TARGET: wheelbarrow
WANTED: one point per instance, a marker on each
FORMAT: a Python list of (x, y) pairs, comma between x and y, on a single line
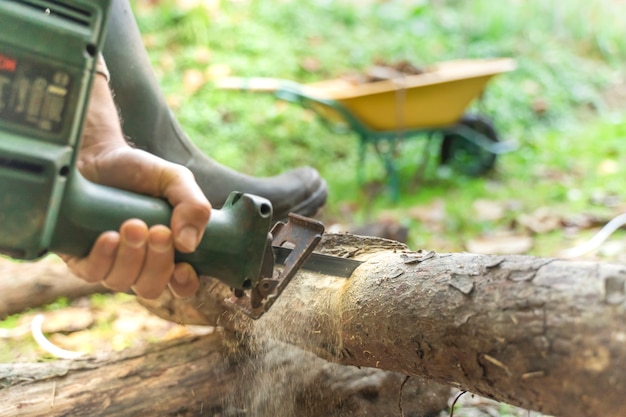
[(382, 113)]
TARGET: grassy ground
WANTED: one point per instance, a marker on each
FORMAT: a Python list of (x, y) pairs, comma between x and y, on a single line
[(553, 105)]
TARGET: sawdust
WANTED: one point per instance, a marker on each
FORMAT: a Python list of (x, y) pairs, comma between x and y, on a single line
[(286, 380)]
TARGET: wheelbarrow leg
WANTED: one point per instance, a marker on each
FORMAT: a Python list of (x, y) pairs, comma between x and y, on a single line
[(393, 177), (360, 176), (422, 165), (393, 180)]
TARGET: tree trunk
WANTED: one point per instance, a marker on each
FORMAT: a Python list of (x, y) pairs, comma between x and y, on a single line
[(542, 334), (211, 376), (36, 284)]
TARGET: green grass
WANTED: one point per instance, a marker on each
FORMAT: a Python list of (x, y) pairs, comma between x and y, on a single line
[(568, 54)]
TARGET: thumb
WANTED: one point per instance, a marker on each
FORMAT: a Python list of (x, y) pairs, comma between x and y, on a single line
[(191, 208)]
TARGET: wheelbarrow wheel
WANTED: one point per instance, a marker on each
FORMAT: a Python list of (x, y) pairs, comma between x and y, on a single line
[(464, 155)]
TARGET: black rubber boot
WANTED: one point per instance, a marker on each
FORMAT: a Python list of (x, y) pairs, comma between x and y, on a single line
[(150, 125)]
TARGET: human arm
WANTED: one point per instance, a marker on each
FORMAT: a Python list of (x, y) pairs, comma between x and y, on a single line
[(136, 256)]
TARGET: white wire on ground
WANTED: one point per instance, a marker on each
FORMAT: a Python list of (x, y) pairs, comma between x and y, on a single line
[(597, 240), (47, 345), (15, 333)]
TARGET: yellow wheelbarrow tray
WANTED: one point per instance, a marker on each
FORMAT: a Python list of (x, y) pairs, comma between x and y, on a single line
[(384, 111)]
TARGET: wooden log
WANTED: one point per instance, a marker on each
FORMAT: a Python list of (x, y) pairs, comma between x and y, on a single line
[(212, 375), (126, 384), (34, 284), (542, 334)]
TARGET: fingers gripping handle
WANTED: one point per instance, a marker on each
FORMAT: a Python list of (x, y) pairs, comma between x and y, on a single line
[(231, 250)]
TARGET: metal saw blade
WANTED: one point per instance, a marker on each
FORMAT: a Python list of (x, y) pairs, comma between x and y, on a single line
[(321, 263)]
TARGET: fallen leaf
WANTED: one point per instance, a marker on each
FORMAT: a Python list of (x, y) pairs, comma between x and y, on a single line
[(432, 215), (67, 320), (580, 221), (488, 210), (500, 245), (530, 87), (608, 167), (149, 40), (202, 55), (81, 341), (217, 71), (174, 101), (129, 324), (310, 64), (606, 199), (542, 220), (167, 62), (539, 106), (133, 323), (193, 80)]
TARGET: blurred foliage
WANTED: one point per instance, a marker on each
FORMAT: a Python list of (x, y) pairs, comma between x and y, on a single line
[(568, 55)]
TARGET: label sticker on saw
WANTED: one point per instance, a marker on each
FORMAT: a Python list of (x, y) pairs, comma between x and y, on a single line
[(7, 64), (33, 94)]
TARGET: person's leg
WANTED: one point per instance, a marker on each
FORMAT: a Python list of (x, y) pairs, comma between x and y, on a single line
[(150, 125)]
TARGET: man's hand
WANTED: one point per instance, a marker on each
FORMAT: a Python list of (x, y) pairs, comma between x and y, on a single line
[(136, 256)]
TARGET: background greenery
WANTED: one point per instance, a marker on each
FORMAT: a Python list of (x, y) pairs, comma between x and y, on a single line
[(563, 104)]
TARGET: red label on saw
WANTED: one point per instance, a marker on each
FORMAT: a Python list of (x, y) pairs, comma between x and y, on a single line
[(7, 64)]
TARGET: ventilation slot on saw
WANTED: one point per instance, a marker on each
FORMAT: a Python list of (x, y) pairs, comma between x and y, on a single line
[(60, 9), (21, 165)]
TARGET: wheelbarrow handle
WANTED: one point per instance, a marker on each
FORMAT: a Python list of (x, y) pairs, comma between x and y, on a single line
[(255, 84)]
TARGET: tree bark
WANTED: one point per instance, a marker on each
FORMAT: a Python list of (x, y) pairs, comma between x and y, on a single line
[(542, 334), (130, 383), (211, 376), (38, 283)]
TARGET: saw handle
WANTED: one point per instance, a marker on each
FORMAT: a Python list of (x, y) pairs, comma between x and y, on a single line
[(231, 250)]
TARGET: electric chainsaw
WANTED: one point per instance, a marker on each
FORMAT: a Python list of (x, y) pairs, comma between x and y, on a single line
[(48, 51)]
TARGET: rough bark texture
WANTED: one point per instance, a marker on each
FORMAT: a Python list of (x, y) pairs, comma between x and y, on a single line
[(211, 376), (38, 284), (128, 384), (543, 334)]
